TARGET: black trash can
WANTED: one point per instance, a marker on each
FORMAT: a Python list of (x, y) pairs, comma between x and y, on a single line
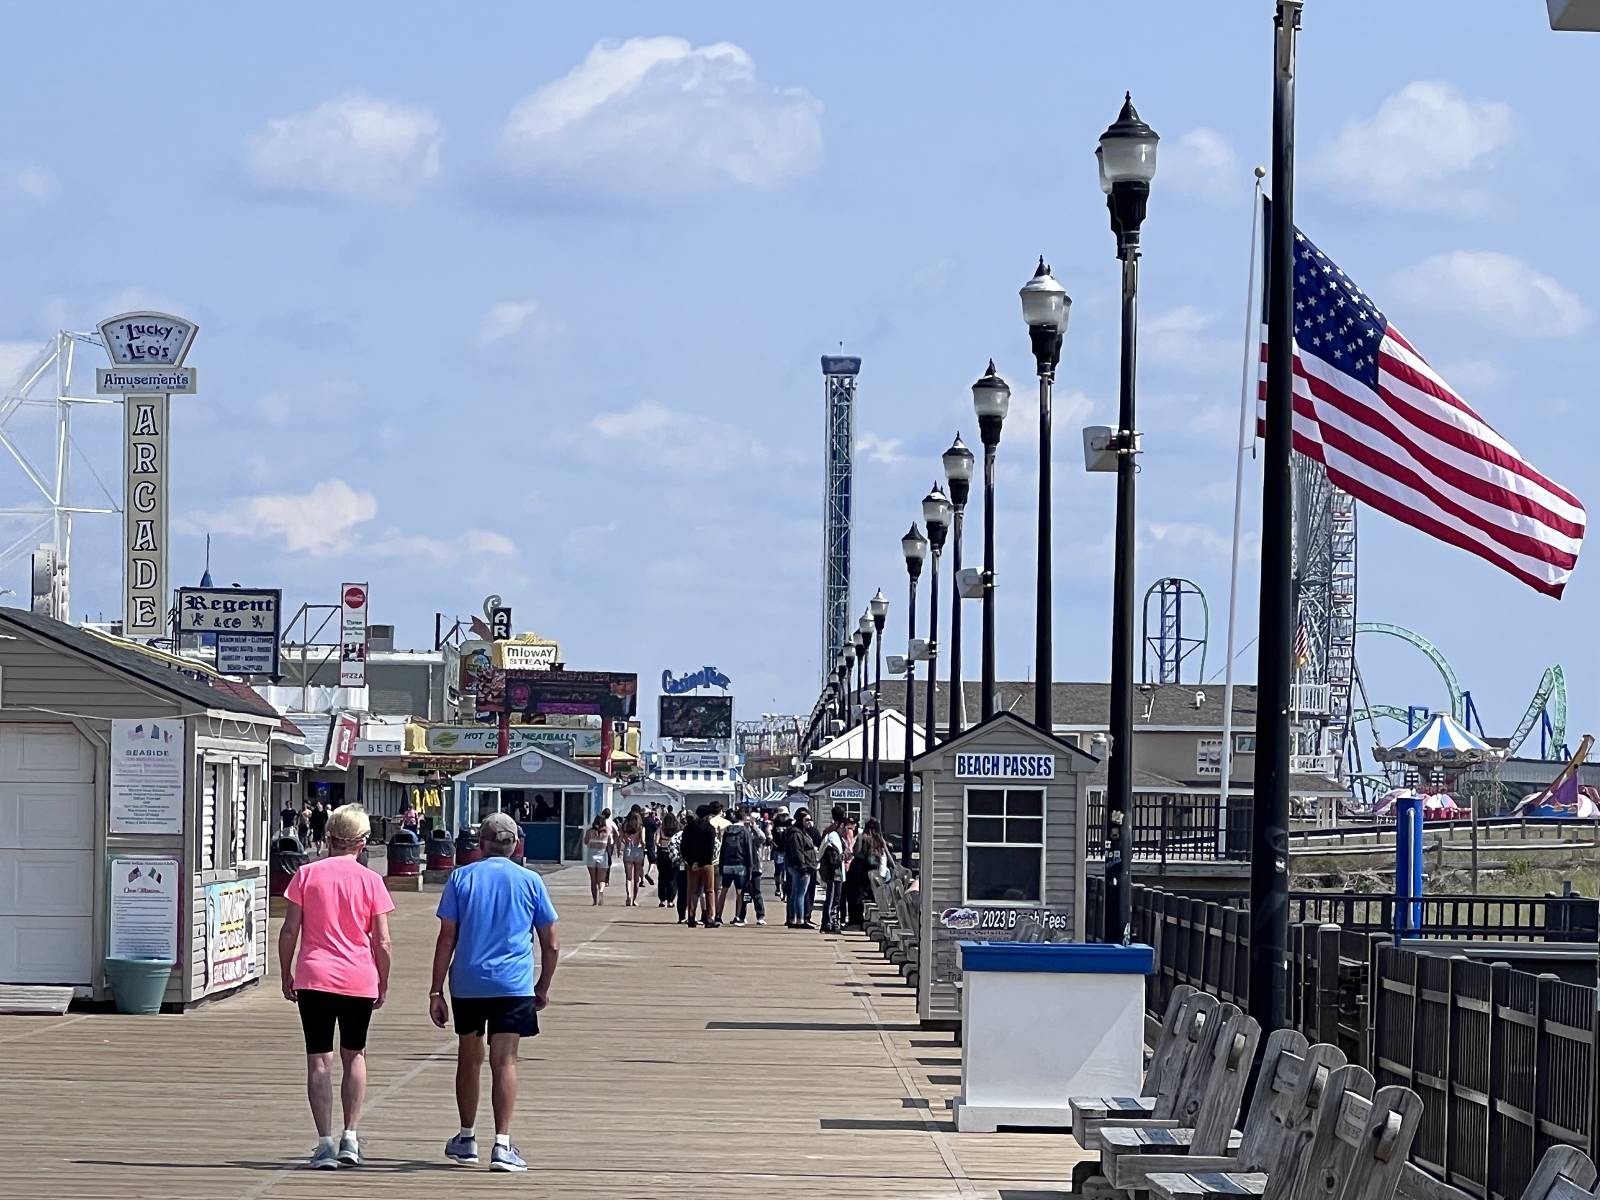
[(405, 854), (468, 849), (441, 851), (288, 856)]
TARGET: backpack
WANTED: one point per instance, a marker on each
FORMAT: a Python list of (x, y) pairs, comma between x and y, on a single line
[(830, 862)]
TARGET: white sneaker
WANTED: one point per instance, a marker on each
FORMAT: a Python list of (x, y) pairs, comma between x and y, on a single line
[(761, 920), (349, 1150)]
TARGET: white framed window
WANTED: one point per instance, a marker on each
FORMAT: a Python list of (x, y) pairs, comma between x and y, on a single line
[(1244, 743), (1005, 846)]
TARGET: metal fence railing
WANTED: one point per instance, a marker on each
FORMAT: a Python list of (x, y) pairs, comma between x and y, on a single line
[(1507, 1062)]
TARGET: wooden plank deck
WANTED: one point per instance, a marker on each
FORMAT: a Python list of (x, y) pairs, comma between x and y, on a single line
[(705, 1063)]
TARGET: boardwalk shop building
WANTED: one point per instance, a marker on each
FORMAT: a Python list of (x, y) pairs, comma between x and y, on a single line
[(102, 853)]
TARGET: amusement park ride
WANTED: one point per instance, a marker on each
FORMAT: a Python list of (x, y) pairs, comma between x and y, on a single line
[(1329, 699)]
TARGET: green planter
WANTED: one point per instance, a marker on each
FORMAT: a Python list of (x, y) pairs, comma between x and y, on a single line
[(137, 984)]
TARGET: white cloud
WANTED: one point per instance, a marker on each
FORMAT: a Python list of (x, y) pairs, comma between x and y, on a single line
[(678, 441), (1182, 338), (487, 541), (884, 450), (36, 183), (658, 115), (15, 358), (1417, 149), (319, 522), (516, 320), (1202, 163), (1498, 290), (1469, 375), (1195, 538), (354, 147), (276, 407)]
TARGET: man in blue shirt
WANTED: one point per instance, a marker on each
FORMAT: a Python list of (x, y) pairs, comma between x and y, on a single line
[(488, 916)]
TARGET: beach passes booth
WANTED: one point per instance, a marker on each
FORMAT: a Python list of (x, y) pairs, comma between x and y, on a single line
[(552, 797), (1003, 839), (134, 806)]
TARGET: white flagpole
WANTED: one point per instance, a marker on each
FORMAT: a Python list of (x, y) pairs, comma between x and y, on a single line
[(1247, 390)]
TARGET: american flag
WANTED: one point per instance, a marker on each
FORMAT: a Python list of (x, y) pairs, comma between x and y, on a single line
[(1395, 436), (1302, 644)]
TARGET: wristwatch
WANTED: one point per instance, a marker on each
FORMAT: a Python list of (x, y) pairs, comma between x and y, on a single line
[(431, 995)]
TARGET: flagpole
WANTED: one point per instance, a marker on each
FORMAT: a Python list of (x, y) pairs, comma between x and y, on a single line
[(1247, 386), (1269, 832)]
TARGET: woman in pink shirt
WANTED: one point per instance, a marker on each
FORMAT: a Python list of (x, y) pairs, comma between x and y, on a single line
[(338, 913)]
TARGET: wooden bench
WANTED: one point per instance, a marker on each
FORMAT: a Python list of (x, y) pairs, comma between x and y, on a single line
[(1204, 1123), (1291, 1086), (1176, 1070), (1564, 1173), (1357, 1151)]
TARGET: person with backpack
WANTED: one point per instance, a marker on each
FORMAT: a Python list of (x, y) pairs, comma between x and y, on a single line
[(752, 891), (666, 856), (737, 864), (830, 871), (801, 855), (782, 822)]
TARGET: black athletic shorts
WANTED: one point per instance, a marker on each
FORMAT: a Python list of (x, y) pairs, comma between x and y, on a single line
[(321, 1011), (499, 1014)]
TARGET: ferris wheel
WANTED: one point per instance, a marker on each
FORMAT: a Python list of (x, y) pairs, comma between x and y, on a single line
[(1325, 633)]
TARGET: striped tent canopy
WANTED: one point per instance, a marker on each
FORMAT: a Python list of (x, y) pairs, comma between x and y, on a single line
[(1442, 742)]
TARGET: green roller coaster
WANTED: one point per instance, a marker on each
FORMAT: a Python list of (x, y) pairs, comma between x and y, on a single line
[(1547, 709)]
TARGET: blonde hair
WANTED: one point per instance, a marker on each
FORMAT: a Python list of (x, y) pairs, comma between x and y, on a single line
[(349, 823)]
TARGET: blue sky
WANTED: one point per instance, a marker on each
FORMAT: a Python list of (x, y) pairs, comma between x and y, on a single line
[(532, 303)]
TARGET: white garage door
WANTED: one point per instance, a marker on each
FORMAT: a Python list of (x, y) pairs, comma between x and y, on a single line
[(46, 854)]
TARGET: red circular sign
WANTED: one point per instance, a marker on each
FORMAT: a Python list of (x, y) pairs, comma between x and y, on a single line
[(355, 597)]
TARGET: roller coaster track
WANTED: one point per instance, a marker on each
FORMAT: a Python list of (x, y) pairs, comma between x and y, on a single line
[(1551, 696)]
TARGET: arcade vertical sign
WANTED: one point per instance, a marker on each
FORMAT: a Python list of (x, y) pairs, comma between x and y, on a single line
[(147, 350)]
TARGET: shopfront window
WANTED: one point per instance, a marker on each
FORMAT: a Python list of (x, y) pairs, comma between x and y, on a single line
[(1005, 846)]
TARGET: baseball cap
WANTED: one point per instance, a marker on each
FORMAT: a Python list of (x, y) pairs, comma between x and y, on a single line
[(499, 828)]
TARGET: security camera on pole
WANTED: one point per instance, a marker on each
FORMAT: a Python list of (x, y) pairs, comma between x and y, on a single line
[(147, 350)]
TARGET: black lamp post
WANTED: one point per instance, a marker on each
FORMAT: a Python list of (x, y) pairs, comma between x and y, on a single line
[(991, 398), (863, 644), (847, 658), (1127, 157), (915, 548), (878, 606), (936, 515), (1045, 307), (958, 474)]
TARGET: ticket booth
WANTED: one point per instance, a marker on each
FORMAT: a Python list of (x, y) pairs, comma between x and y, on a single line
[(551, 797), (1003, 834), (848, 793)]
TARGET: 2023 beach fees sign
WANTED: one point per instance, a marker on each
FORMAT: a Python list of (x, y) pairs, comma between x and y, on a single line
[(144, 908), (147, 776)]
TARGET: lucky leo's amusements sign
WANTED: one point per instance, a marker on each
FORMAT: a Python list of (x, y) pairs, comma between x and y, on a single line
[(147, 350)]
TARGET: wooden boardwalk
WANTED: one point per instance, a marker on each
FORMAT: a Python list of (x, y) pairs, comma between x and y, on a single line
[(753, 1062)]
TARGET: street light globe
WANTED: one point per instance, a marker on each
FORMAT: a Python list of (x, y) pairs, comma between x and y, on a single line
[(991, 395), (957, 462), (936, 510), (1045, 303), (865, 626), (879, 606), (914, 546), (1127, 149), (847, 656)]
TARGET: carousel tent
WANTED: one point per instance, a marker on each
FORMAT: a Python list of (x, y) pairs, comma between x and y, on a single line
[(1443, 741)]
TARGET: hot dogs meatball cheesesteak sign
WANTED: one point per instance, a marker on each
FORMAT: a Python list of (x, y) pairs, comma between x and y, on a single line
[(353, 601)]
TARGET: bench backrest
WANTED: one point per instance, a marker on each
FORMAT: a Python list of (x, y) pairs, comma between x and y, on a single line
[(1220, 1023), (1166, 1039), (1183, 1055), (1232, 1053), (1564, 1173), (1290, 1092), (1360, 1146)]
